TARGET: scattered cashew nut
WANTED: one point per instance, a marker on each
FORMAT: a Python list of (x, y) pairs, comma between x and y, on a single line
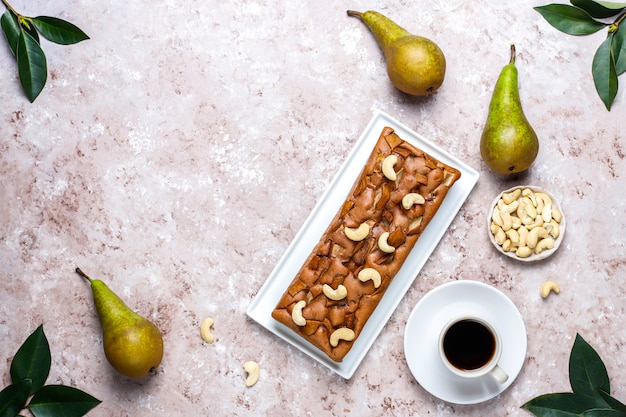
[(296, 313), (335, 294), (411, 199), (388, 167), (254, 371), (358, 234), (205, 330), (383, 245), (549, 286), (366, 274), (342, 333)]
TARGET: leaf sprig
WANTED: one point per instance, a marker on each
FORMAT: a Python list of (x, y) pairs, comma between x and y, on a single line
[(590, 385), (584, 17), (29, 370), (22, 34)]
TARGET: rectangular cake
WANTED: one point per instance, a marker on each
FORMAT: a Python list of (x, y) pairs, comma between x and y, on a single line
[(343, 279)]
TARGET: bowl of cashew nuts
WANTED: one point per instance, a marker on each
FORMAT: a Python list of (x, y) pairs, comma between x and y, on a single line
[(526, 223)]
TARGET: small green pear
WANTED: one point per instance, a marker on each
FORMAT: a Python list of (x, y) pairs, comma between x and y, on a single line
[(132, 344), (508, 144), (415, 64)]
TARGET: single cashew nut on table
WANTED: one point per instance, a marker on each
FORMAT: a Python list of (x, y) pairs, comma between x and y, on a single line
[(205, 330), (549, 286), (358, 234), (388, 167), (343, 333), (296, 313), (254, 371), (335, 294)]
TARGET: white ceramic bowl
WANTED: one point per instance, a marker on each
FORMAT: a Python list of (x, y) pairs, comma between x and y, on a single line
[(512, 253)]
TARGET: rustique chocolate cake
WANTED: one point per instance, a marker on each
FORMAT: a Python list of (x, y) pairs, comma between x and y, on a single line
[(343, 279)]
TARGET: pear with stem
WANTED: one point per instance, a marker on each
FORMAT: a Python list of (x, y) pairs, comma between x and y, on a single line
[(415, 64), (508, 144), (133, 345)]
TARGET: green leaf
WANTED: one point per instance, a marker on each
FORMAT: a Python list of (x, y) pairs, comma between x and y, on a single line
[(26, 24), (31, 65), (61, 401), (611, 5), (11, 30), (619, 49), (570, 19), (614, 403), (587, 373), (58, 30), (32, 360), (563, 404), (605, 80), (603, 412), (13, 398), (597, 10)]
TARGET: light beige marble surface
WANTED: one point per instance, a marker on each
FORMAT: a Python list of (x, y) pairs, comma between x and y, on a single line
[(177, 152)]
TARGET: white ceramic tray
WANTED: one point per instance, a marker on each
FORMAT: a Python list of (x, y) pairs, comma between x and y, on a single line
[(309, 234)]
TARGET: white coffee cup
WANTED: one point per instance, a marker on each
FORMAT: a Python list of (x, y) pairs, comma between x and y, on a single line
[(471, 347)]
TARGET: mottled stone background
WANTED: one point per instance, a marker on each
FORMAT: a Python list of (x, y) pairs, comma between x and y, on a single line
[(177, 152)]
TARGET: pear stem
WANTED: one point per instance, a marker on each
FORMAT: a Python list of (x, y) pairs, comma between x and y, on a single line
[(353, 13), (512, 61), (82, 274)]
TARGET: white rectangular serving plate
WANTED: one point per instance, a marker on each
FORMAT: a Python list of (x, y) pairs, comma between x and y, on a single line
[(308, 236)]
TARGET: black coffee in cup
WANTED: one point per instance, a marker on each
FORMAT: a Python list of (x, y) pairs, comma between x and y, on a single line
[(469, 345)]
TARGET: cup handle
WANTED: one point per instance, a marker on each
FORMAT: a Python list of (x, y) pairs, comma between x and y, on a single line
[(499, 375)]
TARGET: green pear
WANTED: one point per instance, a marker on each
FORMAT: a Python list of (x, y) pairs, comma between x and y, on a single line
[(415, 65), (508, 144), (132, 344)]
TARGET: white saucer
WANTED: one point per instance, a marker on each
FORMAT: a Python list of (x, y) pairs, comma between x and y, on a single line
[(439, 306)]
